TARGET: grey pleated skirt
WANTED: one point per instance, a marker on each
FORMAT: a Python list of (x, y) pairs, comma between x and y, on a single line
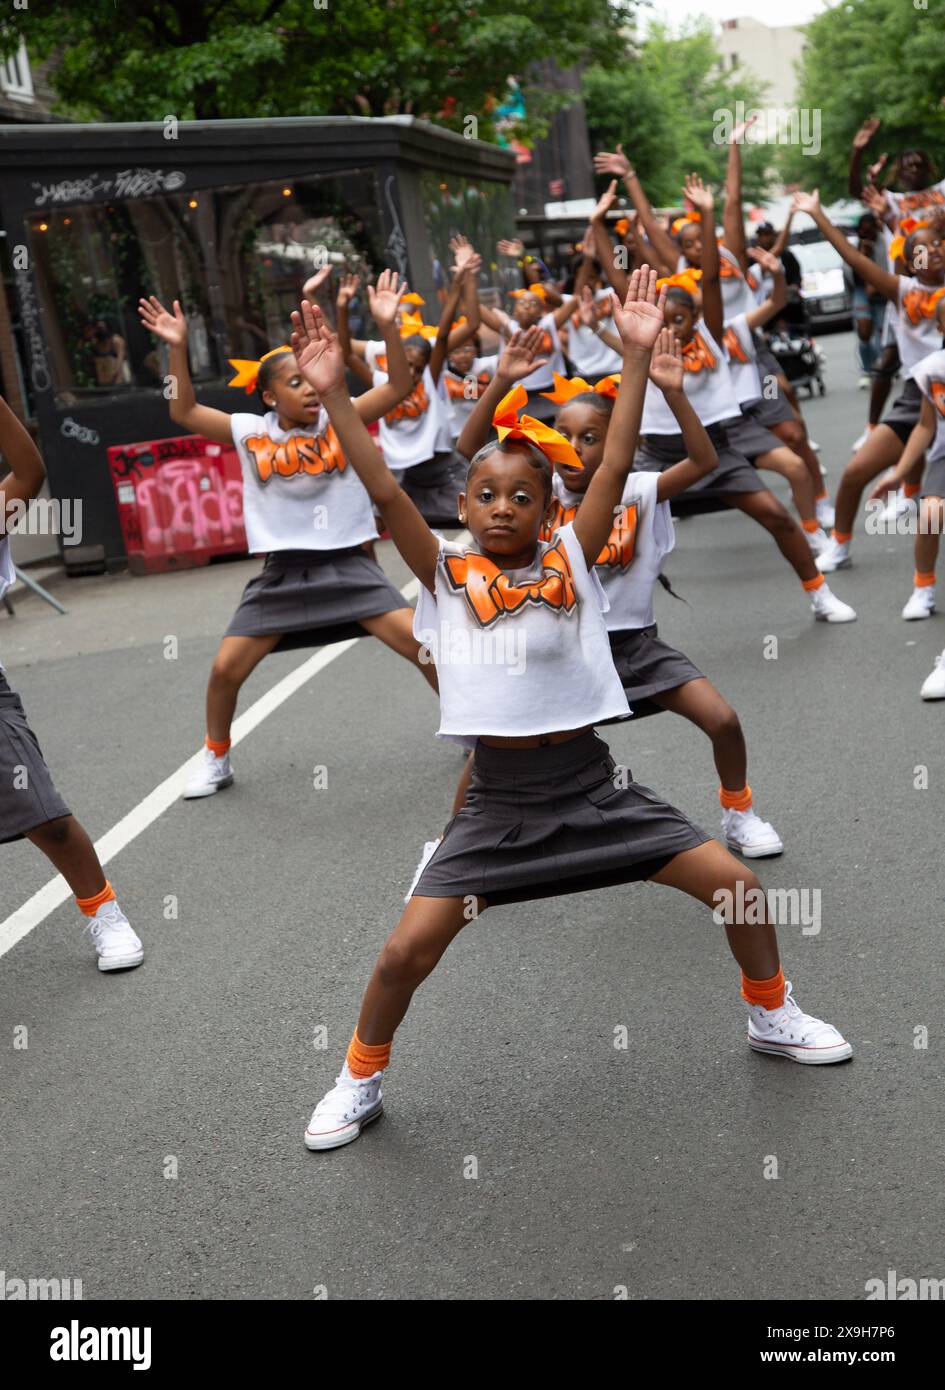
[(28, 797), (313, 597), (540, 822), (775, 410), (749, 437), (646, 666), (903, 415), (733, 475), (434, 487)]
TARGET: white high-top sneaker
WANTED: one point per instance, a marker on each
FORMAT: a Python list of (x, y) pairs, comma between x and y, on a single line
[(339, 1117), (749, 835), (933, 687), (817, 540), (835, 557), (827, 608), (825, 513), (787, 1032), (921, 604), (215, 774), (117, 946)]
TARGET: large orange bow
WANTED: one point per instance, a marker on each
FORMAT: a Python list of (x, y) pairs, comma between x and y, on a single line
[(684, 279), (510, 425), (412, 324), (566, 389), (537, 290), (681, 221), (247, 373), (622, 226), (412, 298)]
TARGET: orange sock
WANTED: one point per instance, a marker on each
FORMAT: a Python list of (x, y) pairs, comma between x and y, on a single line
[(810, 526), (91, 905), (218, 746), (911, 489), (768, 993), (809, 585), (842, 537), (364, 1059), (735, 801), (924, 581)]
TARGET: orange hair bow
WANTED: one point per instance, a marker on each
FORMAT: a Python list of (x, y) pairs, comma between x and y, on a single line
[(247, 373), (684, 279), (908, 225), (896, 247), (510, 425), (681, 221), (567, 388), (412, 298), (458, 323), (537, 290), (412, 324), (622, 227)]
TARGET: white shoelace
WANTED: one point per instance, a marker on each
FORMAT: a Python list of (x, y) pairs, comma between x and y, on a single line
[(790, 1018)]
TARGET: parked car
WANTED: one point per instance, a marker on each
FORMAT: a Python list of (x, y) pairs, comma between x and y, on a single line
[(824, 287)]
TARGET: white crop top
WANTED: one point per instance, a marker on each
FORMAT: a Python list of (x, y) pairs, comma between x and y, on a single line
[(418, 427), (519, 652), (929, 376), (739, 345), (463, 392), (918, 332), (630, 562), (299, 491), (707, 383)]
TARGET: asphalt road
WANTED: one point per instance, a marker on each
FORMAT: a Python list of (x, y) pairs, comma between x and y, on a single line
[(597, 1168)]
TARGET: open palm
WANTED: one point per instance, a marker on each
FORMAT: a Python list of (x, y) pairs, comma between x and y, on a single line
[(171, 328), (666, 364), (639, 318), (384, 299), (317, 350), (520, 358)]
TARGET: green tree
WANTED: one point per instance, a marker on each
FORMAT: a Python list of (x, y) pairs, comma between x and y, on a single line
[(444, 60), (883, 58), (661, 104)]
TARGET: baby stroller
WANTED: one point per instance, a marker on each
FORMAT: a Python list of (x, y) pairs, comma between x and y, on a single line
[(798, 356)]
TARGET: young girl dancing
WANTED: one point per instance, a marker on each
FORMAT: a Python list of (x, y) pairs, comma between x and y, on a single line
[(654, 675), (544, 815), (915, 297), (304, 508), (708, 384), (531, 311), (30, 806)]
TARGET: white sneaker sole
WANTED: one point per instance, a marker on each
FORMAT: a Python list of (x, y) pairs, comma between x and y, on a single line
[(937, 695), (917, 617), (127, 962), (339, 1137), (831, 569), (198, 792), (807, 1056), (754, 851)]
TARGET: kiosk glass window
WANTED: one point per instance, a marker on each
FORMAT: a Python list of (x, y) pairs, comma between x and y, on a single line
[(235, 257), (479, 209)]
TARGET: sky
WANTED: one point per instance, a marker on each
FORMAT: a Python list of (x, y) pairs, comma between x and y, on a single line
[(798, 13)]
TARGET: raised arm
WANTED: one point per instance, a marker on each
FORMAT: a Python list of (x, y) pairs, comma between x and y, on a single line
[(604, 247), (666, 372), (587, 315), (518, 361), (733, 220), (172, 329), (468, 265), (860, 141), (26, 474), (445, 325), (883, 280), (710, 284), (662, 242), (384, 302), (322, 364), (778, 298), (354, 361), (639, 321)]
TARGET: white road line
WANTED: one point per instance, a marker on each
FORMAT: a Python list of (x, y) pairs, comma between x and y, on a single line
[(53, 894)]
